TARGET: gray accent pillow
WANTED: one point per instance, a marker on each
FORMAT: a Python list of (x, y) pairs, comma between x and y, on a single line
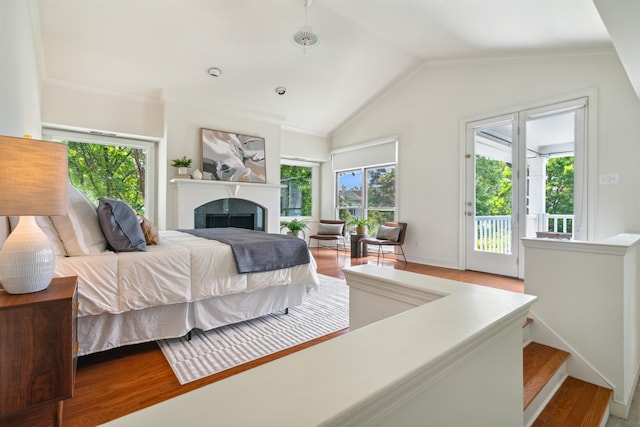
[(330, 229), (120, 226), (388, 233)]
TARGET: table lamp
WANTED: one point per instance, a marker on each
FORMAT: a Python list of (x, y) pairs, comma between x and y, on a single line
[(33, 181)]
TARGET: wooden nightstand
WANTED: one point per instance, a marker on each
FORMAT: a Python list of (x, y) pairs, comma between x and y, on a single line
[(38, 347)]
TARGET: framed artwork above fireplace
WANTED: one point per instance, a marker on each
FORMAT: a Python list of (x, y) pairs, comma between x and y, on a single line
[(228, 156)]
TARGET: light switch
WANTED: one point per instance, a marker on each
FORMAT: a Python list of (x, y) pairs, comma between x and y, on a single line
[(609, 178)]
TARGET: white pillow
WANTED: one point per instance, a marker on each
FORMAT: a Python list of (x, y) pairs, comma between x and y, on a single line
[(79, 229), (330, 229), (45, 224), (388, 233)]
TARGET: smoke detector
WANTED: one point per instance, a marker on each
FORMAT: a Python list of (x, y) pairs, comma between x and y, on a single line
[(214, 72)]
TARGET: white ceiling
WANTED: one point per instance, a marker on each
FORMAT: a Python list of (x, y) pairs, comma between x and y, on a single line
[(155, 48)]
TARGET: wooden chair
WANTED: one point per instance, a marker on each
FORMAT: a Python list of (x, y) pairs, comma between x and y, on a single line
[(380, 242), (331, 230)]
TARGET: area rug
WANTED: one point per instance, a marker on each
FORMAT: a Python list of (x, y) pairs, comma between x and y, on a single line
[(324, 311)]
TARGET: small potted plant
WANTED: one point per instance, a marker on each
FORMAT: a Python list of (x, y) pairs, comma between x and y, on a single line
[(295, 226), (182, 164), (361, 224)]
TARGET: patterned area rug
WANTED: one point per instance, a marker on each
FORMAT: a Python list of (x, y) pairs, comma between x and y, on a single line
[(323, 312)]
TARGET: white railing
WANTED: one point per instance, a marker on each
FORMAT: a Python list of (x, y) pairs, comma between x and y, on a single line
[(561, 223), (493, 233)]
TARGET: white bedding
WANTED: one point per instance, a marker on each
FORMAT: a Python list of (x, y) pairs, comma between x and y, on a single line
[(182, 268)]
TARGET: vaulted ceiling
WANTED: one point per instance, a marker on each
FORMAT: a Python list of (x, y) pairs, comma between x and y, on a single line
[(163, 48)]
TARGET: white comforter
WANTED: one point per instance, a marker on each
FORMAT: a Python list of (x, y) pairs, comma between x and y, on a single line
[(182, 268)]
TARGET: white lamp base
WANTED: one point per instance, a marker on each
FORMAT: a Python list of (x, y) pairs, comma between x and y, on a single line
[(27, 259)]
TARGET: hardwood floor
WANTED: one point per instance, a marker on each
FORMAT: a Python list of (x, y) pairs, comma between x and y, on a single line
[(114, 383)]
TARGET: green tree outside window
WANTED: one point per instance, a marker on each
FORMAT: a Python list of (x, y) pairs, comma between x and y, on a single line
[(108, 171), (295, 197)]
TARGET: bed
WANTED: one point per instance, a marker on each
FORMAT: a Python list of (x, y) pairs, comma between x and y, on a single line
[(179, 283), (184, 282)]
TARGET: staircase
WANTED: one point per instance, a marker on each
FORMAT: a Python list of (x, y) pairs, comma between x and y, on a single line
[(552, 397)]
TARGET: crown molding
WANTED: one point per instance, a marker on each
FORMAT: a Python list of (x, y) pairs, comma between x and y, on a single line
[(101, 91)]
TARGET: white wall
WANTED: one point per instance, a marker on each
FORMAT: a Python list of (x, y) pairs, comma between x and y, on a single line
[(183, 124), (602, 330), (621, 19), (89, 108), (304, 146), (19, 80), (426, 110), (177, 124), (299, 145)]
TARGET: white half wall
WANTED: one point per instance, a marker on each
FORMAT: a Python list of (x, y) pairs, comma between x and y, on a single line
[(588, 298), (426, 110)]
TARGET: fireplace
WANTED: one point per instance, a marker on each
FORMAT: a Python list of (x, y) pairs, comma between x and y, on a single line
[(230, 212), (190, 194)]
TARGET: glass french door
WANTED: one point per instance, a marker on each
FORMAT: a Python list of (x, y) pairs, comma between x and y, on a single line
[(525, 177), (492, 194)]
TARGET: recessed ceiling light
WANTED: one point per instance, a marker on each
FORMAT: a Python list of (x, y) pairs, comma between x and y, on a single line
[(214, 71), (281, 90)]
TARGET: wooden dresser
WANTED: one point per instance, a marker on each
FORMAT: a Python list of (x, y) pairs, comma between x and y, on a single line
[(38, 347)]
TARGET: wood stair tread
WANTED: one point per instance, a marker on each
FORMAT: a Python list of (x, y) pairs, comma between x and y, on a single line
[(540, 363), (576, 403)]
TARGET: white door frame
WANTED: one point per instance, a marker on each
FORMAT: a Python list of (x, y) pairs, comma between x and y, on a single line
[(589, 163), (504, 263)]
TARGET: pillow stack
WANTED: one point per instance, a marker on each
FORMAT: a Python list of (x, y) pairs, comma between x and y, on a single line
[(79, 230), (87, 230)]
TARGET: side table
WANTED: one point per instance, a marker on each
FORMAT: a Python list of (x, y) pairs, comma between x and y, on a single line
[(38, 347), (358, 250)]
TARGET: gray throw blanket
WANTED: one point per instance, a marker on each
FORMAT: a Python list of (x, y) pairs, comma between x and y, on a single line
[(257, 251)]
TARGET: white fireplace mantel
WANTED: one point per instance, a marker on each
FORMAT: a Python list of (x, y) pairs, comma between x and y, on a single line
[(192, 193)]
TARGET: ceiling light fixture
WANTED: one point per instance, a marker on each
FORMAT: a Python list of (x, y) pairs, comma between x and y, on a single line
[(305, 36), (281, 90)]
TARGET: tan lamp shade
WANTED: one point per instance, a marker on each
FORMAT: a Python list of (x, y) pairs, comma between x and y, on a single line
[(33, 177)]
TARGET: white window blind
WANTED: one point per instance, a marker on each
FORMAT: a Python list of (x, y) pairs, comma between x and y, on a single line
[(379, 152)]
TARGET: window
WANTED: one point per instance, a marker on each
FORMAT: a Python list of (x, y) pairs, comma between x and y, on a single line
[(350, 193), (117, 168), (116, 172), (366, 181), (297, 195), (381, 194), (367, 193)]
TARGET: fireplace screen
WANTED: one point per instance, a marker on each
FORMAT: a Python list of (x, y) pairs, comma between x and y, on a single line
[(231, 212)]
